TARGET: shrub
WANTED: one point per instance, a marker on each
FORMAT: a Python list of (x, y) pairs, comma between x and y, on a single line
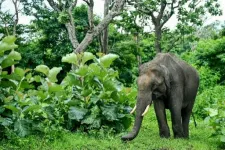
[(207, 98), (216, 119), (89, 97)]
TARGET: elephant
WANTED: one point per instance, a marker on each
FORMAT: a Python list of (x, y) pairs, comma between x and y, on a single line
[(169, 83)]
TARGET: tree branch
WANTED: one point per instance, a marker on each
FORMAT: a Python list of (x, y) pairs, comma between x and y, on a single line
[(70, 26), (170, 14), (162, 9), (147, 12), (86, 1), (116, 10), (54, 5), (91, 14), (17, 16)]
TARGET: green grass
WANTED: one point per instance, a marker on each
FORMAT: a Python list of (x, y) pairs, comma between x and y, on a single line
[(148, 139)]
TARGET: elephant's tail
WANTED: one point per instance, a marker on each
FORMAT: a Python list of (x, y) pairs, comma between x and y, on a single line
[(192, 114)]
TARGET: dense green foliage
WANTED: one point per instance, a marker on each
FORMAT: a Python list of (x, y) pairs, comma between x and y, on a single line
[(89, 97)]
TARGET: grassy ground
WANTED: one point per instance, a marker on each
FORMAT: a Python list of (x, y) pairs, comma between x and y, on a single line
[(148, 139)]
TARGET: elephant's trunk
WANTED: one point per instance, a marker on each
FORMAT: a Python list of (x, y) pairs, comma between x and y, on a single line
[(130, 136), (142, 106)]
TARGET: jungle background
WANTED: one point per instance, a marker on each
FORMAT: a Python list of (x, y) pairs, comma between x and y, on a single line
[(68, 77)]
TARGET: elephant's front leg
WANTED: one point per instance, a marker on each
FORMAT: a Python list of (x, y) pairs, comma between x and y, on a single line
[(159, 107)]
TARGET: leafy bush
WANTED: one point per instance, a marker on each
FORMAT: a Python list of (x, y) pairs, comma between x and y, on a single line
[(211, 53), (97, 98), (216, 118), (24, 109), (89, 97), (208, 78), (207, 98)]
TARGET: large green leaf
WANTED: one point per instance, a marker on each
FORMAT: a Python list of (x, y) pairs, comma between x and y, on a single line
[(76, 113), (8, 62), (52, 76), (7, 99), (22, 127), (7, 44), (88, 120), (92, 121), (13, 108), (28, 109), (110, 112), (19, 71), (9, 39), (107, 60), (109, 85), (26, 85), (223, 130), (94, 68), (7, 84), (43, 69), (2, 109), (222, 138), (87, 56), (71, 79), (70, 58), (82, 71), (14, 55), (6, 121), (53, 87)]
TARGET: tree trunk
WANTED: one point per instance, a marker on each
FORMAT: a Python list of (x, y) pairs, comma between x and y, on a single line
[(91, 15), (72, 35), (158, 37), (105, 32), (136, 37), (15, 3), (116, 10)]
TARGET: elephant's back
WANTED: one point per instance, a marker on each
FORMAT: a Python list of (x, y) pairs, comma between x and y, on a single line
[(178, 68)]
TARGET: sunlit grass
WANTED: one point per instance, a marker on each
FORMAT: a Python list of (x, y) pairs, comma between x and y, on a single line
[(148, 139)]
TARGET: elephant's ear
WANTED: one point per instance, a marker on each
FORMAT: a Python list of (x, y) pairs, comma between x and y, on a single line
[(166, 76), (158, 74)]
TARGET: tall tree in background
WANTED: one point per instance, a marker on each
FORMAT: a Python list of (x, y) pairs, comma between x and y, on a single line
[(115, 11), (104, 37), (64, 9), (189, 13)]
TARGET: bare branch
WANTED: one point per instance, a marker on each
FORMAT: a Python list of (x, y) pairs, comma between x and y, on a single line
[(170, 14), (72, 6), (16, 15), (91, 14), (54, 5), (162, 9), (70, 26), (86, 1)]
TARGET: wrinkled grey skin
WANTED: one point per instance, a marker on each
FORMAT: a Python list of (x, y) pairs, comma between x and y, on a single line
[(172, 84)]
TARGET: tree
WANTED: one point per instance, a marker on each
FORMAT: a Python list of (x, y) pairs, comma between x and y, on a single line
[(64, 10), (48, 38), (189, 13), (104, 39)]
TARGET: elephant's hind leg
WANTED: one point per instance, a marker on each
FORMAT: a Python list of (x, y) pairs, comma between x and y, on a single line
[(175, 109), (186, 114)]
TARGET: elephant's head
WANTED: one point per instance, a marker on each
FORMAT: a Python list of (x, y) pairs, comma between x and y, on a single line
[(153, 80)]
